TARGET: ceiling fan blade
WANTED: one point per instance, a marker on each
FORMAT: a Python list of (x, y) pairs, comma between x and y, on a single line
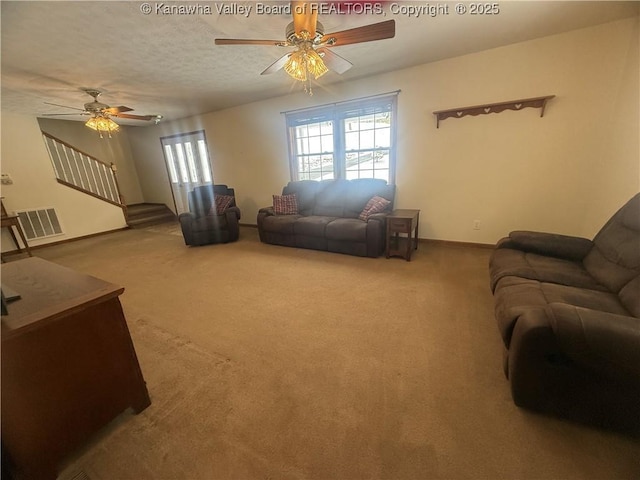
[(59, 114), (120, 109), (134, 117), (335, 62), (65, 106), (277, 65), (368, 33), (240, 41), (304, 17)]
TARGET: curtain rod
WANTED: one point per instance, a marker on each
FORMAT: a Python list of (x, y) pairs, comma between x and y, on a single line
[(394, 92)]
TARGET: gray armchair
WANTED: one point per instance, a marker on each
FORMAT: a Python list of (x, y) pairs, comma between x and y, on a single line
[(202, 225)]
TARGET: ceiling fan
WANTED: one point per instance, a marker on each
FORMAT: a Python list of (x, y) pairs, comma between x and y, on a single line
[(101, 113), (312, 52)]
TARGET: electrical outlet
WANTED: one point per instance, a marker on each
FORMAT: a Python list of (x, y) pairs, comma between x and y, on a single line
[(5, 179), (476, 224)]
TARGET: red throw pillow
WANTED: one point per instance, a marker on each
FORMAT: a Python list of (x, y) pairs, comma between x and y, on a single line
[(375, 205), (222, 202), (285, 204)]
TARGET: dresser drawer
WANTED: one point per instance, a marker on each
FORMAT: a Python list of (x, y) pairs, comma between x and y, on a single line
[(400, 225)]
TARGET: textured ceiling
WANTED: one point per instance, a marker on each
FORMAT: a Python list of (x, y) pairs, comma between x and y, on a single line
[(168, 64)]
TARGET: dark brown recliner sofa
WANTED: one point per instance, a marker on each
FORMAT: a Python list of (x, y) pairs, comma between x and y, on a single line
[(327, 217), (568, 311), (202, 225)]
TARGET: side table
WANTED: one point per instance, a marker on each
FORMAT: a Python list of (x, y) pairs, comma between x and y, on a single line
[(402, 221), (11, 222)]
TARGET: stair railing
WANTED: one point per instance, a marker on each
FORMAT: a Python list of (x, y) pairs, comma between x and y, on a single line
[(84, 172)]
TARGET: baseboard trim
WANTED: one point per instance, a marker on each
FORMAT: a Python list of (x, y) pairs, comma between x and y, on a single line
[(66, 240), (452, 243)]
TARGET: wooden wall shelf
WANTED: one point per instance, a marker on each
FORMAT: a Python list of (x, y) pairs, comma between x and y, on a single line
[(537, 102)]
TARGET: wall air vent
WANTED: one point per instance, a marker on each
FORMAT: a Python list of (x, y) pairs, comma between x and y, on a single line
[(41, 223)]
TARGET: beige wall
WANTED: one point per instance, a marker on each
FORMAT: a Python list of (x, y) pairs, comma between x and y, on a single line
[(25, 158), (566, 172)]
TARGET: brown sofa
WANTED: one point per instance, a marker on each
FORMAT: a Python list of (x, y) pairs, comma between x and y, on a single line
[(568, 311), (327, 217)]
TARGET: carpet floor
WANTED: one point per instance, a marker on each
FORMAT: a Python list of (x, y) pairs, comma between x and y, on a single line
[(267, 362)]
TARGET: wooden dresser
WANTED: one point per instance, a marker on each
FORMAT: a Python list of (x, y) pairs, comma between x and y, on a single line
[(68, 364)]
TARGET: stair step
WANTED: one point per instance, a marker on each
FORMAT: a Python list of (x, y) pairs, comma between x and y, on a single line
[(152, 218), (145, 209), (143, 215)]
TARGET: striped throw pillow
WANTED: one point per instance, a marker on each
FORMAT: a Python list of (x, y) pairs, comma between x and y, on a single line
[(285, 204), (222, 202), (375, 205)]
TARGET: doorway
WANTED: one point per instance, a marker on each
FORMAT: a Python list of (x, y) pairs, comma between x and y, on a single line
[(188, 165)]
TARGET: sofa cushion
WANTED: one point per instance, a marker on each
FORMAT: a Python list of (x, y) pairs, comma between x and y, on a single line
[(330, 200), (280, 223), (615, 258), (208, 223), (351, 229), (630, 296), (508, 262), (514, 296), (313, 225), (305, 191), (285, 204), (347, 198), (609, 344), (375, 205)]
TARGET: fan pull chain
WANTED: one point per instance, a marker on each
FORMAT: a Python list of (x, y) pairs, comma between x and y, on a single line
[(307, 88)]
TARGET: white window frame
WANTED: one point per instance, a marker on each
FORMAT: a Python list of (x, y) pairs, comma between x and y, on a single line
[(337, 114), (187, 165)]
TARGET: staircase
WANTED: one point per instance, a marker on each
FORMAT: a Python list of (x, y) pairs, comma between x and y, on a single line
[(145, 214), (80, 171)]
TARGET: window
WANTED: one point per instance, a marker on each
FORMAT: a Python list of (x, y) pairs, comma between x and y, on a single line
[(346, 140), (187, 158)]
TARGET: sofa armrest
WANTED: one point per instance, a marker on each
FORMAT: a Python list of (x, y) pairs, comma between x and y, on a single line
[(533, 353), (377, 217), (186, 221), (232, 215), (549, 244), (598, 340), (267, 211), (376, 234), (231, 212), (263, 213), (547, 375)]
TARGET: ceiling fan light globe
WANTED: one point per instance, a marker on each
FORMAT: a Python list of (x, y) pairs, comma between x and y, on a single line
[(102, 124), (315, 65), (296, 66)]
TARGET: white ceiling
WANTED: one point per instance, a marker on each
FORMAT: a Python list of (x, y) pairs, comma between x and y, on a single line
[(169, 65)]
